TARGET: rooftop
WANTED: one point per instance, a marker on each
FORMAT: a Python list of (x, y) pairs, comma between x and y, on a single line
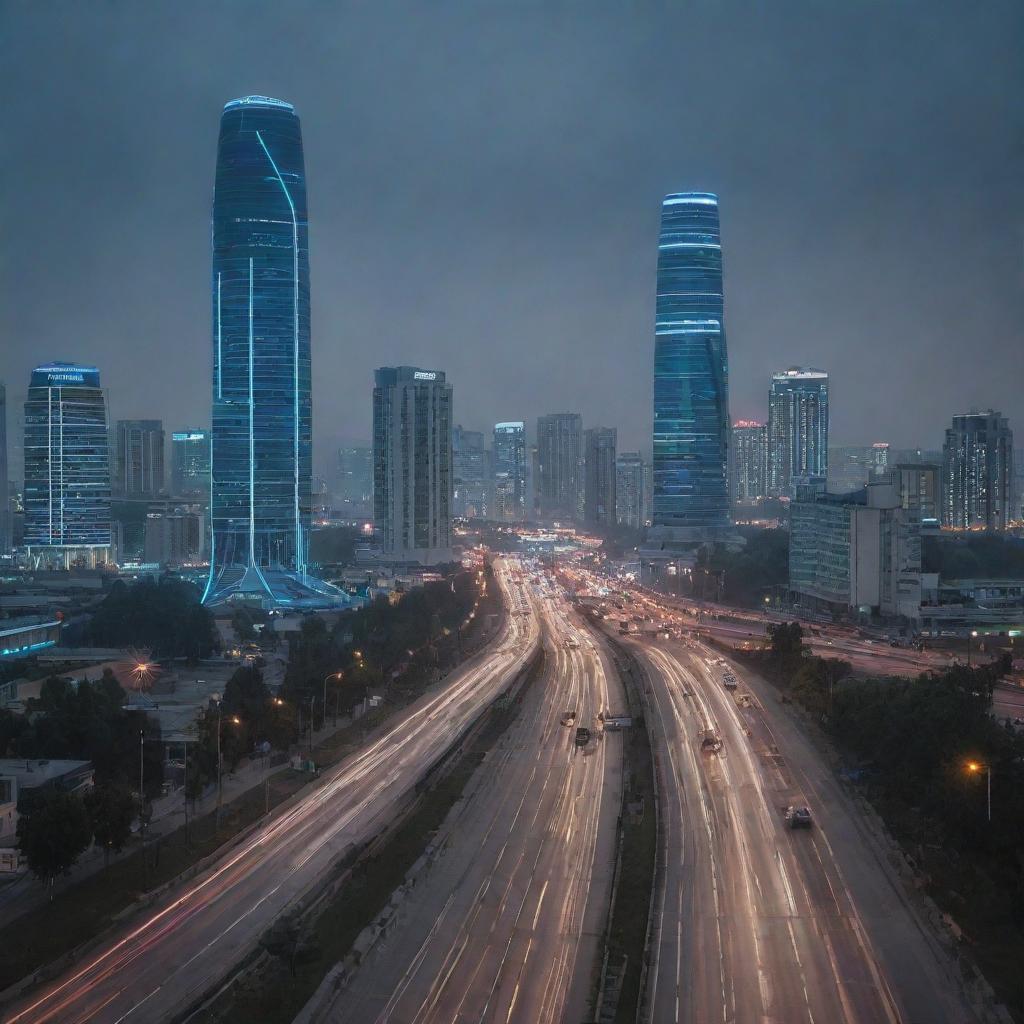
[(258, 101)]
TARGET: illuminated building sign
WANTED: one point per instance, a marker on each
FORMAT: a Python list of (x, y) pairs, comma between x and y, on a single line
[(424, 375)]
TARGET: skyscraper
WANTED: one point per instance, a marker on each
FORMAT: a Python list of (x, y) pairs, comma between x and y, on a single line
[(470, 463), (67, 465), (977, 472), (139, 446), (5, 487), (355, 480), (691, 378), (748, 458), (599, 476), (797, 427), (190, 463), (630, 490), (510, 471), (262, 410), (560, 464), (412, 464)]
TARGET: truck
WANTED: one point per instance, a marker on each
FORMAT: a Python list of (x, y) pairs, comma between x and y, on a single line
[(582, 736)]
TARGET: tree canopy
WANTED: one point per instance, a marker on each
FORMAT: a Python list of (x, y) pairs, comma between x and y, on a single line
[(54, 834)]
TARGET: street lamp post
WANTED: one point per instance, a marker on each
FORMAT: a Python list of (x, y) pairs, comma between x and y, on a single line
[(973, 633), (975, 767), (331, 675)]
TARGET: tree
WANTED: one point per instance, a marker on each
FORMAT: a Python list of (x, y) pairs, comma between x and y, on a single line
[(53, 834), (111, 809), (787, 640)]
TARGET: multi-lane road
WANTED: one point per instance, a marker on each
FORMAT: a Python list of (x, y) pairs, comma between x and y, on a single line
[(505, 926), (159, 964), (757, 922)]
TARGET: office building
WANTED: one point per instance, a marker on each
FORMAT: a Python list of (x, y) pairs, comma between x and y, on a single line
[(412, 464), (977, 472), (560, 464), (630, 491), (510, 471), (878, 458), (6, 539), (691, 377), (471, 463), (261, 453), (748, 459), (139, 467), (797, 428), (857, 553), (175, 536), (599, 476), (67, 466), (190, 463), (355, 481)]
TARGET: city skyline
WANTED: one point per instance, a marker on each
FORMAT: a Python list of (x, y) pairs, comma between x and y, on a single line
[(926, 257)]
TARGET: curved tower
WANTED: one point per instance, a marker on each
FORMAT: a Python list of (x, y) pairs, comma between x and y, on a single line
[(262, 417), (691, 379)]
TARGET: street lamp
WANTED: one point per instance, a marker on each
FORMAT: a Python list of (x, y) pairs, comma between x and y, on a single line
[(975, 767), (973, 633), (332, 675)]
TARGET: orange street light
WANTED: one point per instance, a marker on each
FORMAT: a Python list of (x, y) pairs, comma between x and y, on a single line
[(974, 767)]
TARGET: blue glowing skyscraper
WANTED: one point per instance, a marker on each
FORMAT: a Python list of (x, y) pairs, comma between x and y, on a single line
[(261, 459), (691, 379)]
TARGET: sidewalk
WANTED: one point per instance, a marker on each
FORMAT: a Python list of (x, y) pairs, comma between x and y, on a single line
[(23, 892)]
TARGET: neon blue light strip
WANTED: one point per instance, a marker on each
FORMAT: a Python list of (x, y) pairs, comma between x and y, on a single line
[(219, 393), (705, 199), (252, 444)]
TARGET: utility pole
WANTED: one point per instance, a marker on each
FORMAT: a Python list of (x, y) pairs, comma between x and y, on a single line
[(220, 772)]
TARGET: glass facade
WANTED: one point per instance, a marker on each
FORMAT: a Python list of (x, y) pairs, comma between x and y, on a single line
[(691, 382), (190, 462), (560, 459), (797, 428), (262, 416), (139, 447), (67, 459), (510, 470)]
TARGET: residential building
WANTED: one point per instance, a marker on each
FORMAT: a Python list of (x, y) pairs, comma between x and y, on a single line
[(412, 464), (599, 476), (630, 490), (190, 463), (977, 472), (176, 536), (261, 459), (560, 464), (920, 490), (691, 376), (470, 474), (139, 446), (856, 553), (879, 458), (355, 480), (510, 471), (797, 428), (67, 466), (748, 474)]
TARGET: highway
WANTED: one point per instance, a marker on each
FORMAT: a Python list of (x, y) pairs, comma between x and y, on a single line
[(157, 965), (505, 926), (759, 922)]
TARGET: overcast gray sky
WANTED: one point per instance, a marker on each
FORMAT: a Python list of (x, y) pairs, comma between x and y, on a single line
[(484, 185)]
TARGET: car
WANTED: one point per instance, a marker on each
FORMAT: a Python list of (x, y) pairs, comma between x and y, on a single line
[(568, 718), (582, 736), (711, 742), (798, 817)]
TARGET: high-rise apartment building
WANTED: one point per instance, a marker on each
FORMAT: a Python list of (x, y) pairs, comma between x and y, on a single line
[(190, 463), (920, 490), (510, 471), (977, 472), (630, 491), (355, 480), (262, 408), (797, 428), (6, 540), (878, 458), (748, 461), (139, 467), (470, 475), (67, 465), (599, 476), (175, 535), (412, 464), (691, 377), (560, 464)]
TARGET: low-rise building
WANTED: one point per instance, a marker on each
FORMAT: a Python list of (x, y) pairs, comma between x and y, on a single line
[(965, 607), (857, 552)]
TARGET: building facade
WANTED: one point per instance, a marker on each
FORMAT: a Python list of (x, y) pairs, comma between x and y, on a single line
[(190, 463), (599, 477), (510, 471), (175, 536), (920, 490), (797, 428), (630, 490), (560, 464), (262, 411), (412, 464), (748, 461), (6, 533), (355, 480), (471, 477), (139, 448), (977, 472), (691, 375), (67, 465), (857, 552)]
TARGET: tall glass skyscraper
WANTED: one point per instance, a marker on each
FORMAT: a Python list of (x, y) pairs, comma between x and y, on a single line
[(797, 428), (261, 456), (67, 464), (691, 377), (190, 462), (510, 470)]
